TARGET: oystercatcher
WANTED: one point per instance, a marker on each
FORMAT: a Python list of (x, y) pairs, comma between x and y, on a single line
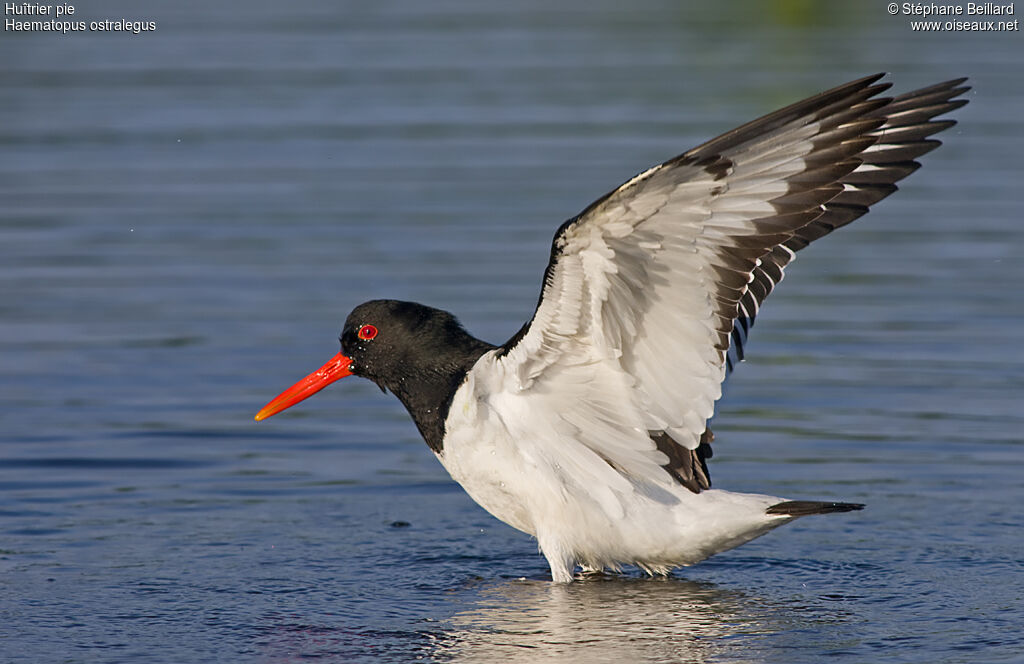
[(588, 428)]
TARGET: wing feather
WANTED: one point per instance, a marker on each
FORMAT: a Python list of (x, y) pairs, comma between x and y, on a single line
[(651, 291), (900, 139)]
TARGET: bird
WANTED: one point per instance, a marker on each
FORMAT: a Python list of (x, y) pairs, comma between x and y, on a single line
[(588, 429)]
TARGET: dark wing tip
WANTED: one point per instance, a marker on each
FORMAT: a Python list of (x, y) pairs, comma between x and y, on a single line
[(953, 85), (809, 507)]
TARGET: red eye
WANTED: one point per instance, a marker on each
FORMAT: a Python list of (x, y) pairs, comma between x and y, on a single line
[(367, 332)]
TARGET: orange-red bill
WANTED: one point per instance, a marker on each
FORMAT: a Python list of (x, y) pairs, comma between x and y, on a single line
[(335, 369)]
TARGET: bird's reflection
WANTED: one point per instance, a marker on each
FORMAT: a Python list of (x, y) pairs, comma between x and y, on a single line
[(604, 619)]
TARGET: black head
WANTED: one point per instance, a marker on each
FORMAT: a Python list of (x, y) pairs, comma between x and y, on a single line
[(419, 353), (390, 341)]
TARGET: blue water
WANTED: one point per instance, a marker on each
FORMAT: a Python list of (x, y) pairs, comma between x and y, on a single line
[(189, 214)]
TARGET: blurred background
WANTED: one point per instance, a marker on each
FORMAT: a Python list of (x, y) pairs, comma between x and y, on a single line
[(189, 213)]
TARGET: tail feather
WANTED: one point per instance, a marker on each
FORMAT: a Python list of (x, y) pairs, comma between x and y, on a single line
[(809, 507)]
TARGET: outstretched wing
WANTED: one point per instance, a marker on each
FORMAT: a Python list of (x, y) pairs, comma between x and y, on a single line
[(900, 140), (650, 291)]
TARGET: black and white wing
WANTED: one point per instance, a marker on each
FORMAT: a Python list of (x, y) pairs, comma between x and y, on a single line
[(900, 140), (650, 292)]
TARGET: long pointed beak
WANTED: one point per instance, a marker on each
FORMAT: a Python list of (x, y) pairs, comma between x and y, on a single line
[(335, 369)]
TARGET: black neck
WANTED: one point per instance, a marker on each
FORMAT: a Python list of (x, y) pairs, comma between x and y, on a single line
[(426, 388)]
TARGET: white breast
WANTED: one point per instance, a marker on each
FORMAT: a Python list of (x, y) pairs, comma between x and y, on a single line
[(512, 455), (480, 455)]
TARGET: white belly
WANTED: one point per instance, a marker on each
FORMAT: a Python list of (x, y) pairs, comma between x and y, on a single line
[(514, 465)]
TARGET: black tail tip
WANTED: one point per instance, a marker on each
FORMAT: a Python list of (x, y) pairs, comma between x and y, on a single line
[(809, 507)]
